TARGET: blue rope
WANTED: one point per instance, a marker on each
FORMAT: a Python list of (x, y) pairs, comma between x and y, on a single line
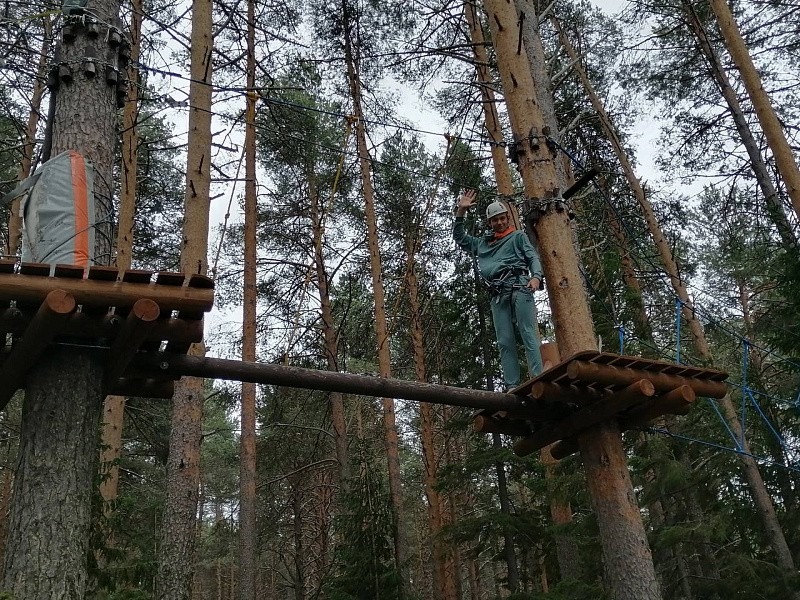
[(767, 461), (735, 439), (621, 331), (774, 431), (745, 389)]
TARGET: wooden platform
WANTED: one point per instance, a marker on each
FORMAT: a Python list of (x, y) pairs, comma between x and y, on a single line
[(122, 313), (592, 387)]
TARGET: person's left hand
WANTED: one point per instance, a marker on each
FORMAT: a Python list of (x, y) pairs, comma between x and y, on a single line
[(534, 284)]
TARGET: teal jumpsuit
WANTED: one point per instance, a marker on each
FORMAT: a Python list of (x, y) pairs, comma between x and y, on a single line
[(505, 264)]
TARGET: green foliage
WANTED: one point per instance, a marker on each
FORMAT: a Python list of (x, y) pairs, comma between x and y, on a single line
[(365, 556)]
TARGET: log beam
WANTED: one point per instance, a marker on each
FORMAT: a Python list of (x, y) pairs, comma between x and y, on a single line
[(487, 424), (175, 366), (80, 324), (29, 289), (589, 373), (676, 402), (587, 417), (143, 388), (138, 323), (53, 312)]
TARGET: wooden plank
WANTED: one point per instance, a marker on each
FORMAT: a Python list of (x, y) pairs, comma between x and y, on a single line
[(34, 269), (201, 281), (7, 265), (586, 417), (69, 271), (568, 394), (486, 424), (587, 372), (103, 273), (52, 314), (170, 278), (144, 388), (137, 276), (88, 292), (134, 331)]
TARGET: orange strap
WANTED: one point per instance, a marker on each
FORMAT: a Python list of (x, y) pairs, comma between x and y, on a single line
[(81, 208)]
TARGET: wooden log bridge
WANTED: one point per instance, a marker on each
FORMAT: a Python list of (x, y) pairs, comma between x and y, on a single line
[(126, 312), (592, 387), (156, 366)]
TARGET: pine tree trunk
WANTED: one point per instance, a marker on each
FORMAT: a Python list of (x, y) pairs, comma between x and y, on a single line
[(761, 497), (381, 325), (509, 552), (248, 532), (770, 124), (114, 406), (299, 575), (759, 167), (29, 139), (48, 537), (176, 551), (664, 250), (491, 119), (329, 332), (629, 565), (444, 586), (5, 502), (49, 518)]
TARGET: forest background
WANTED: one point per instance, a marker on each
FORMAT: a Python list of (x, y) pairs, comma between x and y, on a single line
[(468, 518)]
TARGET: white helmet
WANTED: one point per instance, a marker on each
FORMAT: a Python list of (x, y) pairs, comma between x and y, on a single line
[(494, 209)]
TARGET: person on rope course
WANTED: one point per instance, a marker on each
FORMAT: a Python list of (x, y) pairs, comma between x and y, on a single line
[(510, 266)]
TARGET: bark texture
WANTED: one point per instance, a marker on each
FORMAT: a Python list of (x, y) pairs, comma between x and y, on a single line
[(381, 324), (176, 551), (629, 565), (50, 507), (46, 551), (770, 124), (248, 533)]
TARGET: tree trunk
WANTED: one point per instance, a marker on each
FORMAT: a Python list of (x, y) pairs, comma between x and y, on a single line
[(50, 508), (329, 333), (664, 250), (114, 406), (491, 120), (248, 532), (444, 586), (381, 326), (509, 553), (766, 509), (629, 565), (752, 474), (770, 124), (29, 139), (759, 167), (175, 560), (299, 549), (5, 502)]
